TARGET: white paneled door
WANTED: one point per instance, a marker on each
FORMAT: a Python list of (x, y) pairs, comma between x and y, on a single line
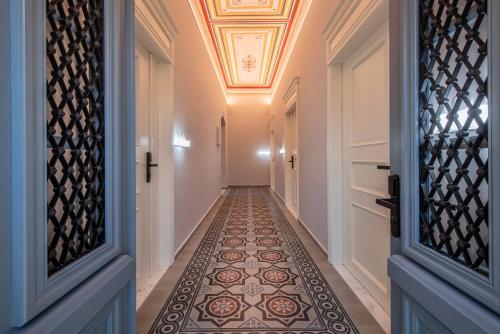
[(365, 148), (146, 139), (292, 160)]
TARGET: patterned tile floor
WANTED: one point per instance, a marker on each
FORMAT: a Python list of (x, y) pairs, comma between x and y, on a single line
[(250, 273)]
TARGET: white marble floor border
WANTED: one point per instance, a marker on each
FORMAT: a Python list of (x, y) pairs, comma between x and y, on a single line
[(376, 310), (148, 287)]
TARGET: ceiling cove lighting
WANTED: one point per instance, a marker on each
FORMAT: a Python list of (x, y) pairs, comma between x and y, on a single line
[(181, 141), (249, 41)]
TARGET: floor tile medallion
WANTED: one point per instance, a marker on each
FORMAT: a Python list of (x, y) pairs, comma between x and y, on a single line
[(252, 274)]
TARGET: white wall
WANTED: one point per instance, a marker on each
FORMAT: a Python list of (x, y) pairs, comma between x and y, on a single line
[(198, 106), (248, 133), (308, 62)]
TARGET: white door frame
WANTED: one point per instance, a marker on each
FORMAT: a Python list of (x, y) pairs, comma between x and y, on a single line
[(222, 143), (352, 23), (291, 100), (272, 141), (156, 31)]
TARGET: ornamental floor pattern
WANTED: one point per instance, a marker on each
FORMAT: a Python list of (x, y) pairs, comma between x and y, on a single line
[(251, 273)]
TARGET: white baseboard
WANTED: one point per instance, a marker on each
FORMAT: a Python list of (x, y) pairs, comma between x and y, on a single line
[(313, 237), (148, 287), (279, 196), (196, 227), (377, 311)]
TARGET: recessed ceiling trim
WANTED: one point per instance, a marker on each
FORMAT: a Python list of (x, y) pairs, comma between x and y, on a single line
[(249, 42), (229, 71)]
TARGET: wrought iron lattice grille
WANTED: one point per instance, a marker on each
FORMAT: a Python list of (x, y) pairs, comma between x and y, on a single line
[(453, 128), (75, 129)]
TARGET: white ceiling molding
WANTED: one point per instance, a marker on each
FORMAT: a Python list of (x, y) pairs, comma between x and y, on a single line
[(292, 93), (152, 16), (249, 42), (352, 21)]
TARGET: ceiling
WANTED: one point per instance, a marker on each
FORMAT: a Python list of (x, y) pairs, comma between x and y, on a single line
[(248, 39)]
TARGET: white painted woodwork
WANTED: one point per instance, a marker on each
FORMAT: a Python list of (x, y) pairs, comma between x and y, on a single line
[(274, 151), (365, 131), (292, 147), (155, 33), (143, 144), (293, 155)]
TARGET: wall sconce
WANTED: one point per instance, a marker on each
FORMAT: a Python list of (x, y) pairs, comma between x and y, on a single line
[(181, 141), (282, 150), (264, 153)]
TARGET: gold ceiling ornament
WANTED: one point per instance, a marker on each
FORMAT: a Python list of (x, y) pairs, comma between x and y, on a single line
[(249, 63)]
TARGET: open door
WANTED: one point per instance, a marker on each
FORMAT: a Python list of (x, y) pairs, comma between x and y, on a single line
[(72, 161), (445, 147)]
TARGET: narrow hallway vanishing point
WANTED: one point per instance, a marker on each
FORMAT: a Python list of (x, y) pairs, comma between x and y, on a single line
[(252, 272)]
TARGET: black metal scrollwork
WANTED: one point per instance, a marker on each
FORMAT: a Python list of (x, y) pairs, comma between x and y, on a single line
[(453, 122), (75, 129)]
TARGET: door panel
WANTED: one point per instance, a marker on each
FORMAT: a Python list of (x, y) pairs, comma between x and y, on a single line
[(143, 145), (448, 85), (294, 145), (419, 320), (108, 294), (291, 149), (366, 145), (73, 179), (108, 319)]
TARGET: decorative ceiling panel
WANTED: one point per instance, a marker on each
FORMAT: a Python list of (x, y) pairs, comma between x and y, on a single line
[(249, 9), (248, 38)]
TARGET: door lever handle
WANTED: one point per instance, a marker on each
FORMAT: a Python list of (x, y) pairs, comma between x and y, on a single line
[(292, 161), (149, 164), (383, 167), (392, 204)]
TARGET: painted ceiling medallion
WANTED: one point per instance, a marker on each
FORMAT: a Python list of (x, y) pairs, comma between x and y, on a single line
[(248, 38), (248, 63)]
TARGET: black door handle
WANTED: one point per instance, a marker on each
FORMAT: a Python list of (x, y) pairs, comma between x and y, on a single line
[(383, 167), (392, 204), (292, 161), (149, 164)]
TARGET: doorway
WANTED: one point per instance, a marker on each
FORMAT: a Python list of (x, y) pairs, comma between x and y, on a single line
[(146, 148), (272, 141), (292, 160), (154, 157), (223, 153), (365, 158), (358, 152)]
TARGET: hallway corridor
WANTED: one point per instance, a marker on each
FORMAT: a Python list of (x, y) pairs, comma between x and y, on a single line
[(252, 273)]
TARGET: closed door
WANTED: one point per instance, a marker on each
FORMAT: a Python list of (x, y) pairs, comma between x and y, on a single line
[(144, 144), (223, 153), (292, 156), (272, 141), (365, 147)]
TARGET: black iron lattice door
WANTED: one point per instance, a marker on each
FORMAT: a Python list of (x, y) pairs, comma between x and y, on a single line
[(445, 269), (73, 266), (453, 119), (75, 129)]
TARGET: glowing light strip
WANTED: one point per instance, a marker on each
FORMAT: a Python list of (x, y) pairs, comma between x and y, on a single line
[(181, 141)]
